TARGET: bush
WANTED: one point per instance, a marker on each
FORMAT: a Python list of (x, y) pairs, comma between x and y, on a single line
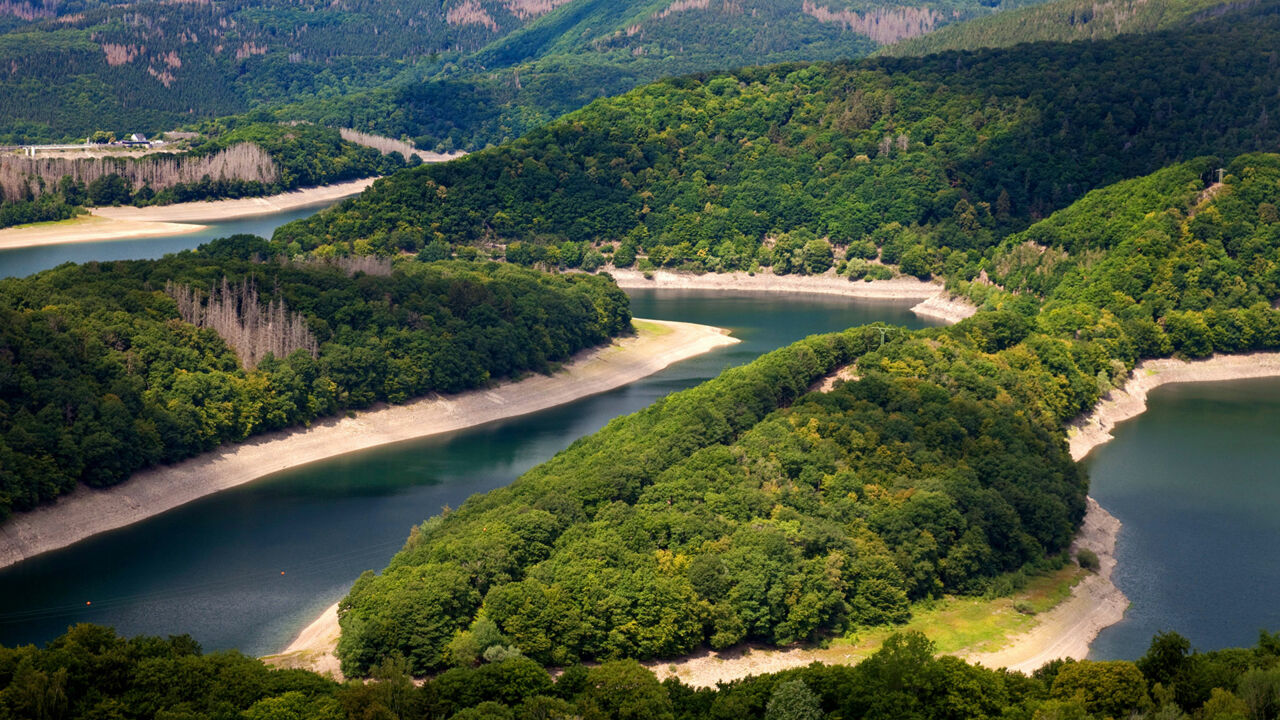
[(1088, 560)]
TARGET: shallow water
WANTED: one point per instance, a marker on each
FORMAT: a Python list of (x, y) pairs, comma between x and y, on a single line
[(1196, 482), (249, 567)]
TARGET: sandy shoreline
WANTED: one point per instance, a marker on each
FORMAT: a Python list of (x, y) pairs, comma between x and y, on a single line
[(1096, 603), (1130, 401), (1067, 630), (221, 210), (935, 301), (87, 512), (87, 228), (130, 223)]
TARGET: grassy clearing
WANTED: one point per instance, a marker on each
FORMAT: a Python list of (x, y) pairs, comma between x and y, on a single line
[(968, 624), (645, 328)]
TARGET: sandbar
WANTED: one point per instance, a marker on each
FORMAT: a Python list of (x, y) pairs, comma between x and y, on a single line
[(87, 512)]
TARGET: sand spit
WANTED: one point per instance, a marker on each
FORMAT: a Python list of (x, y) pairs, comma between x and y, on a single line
[(221, 210), (87, 512), (87, 228), (935, 301)]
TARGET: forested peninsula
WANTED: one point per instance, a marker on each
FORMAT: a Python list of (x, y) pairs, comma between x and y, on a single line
[(913, 462), (109, 368)]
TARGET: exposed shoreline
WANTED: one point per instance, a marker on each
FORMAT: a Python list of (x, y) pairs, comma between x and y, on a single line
[(87, 228), (934, 301), (1096, 603), (86, 512), (235, 209), (132, 223)]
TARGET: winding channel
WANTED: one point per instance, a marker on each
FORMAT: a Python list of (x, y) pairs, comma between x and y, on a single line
[(1194, 480)]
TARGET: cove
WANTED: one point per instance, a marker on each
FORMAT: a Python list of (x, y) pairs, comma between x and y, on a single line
[(21, 262), (1196, 482), (249, 567)]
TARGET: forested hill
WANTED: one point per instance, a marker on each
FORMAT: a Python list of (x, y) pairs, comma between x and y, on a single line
[(927, 162), (106, 368), (754, 509), (1065, 21), (90, 673), (229, 159), (458, 75)]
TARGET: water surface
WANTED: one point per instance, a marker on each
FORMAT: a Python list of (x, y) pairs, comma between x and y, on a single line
[(24, 261), (247, 568), (1196, 482)]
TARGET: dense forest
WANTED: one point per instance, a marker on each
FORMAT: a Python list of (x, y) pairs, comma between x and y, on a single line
[(91, 673), (230, 158), (100, 376), (1064, 21), (451, 75), (925, 163), (751, 509)]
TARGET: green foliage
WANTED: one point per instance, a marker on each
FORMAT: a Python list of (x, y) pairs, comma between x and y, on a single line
[(1112, 689), (793, 700), (90, 674), (746, 509), (1087, 559), (931, 160), (450, 75), (1060, 21), (100, 378), (1165, 263)]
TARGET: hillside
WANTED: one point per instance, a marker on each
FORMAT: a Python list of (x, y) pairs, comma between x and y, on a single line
[(91, 673), (109, 368), (926, 163), (225, 160), (752, 509), (457, 75), (1065, 21)]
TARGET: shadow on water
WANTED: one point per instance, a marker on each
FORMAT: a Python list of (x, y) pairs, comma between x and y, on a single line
[(214, 568)]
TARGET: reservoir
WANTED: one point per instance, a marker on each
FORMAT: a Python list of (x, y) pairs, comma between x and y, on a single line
[(249, 567), (21, 262), (1196, 482)]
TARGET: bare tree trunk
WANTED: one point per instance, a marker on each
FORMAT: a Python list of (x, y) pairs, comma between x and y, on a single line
[(239, 318)]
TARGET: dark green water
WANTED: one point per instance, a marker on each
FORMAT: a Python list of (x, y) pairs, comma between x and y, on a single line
[(24, 261), (213, 568), (1196, 482)]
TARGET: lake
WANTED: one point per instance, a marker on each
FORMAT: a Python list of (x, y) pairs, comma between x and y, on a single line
[(249, 567), (24, 261), (1196, 482)]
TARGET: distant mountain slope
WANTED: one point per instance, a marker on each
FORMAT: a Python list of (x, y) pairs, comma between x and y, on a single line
[(1064, 21), (925, 163), (459, 73)]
